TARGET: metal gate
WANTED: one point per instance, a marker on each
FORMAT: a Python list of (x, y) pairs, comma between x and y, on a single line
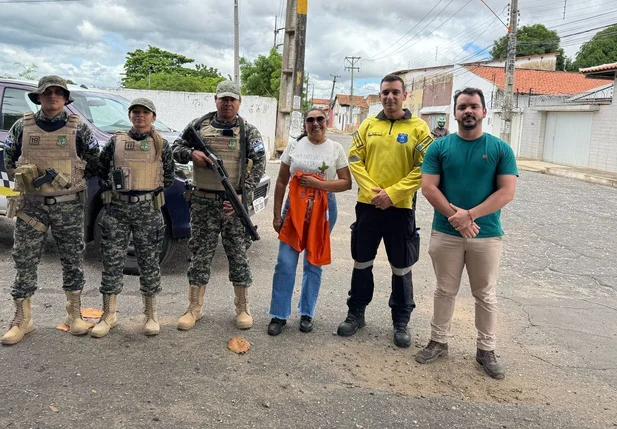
[(567, 138)]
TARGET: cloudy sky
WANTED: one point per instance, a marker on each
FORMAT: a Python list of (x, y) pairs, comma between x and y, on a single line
[(87, 40)]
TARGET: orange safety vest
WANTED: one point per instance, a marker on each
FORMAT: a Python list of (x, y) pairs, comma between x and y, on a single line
[(307, 225)]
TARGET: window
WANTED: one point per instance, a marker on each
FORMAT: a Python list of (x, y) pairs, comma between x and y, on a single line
[(14, 104)]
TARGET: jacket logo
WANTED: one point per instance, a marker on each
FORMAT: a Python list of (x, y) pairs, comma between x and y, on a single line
[(233, 143), (145, 145), (402, 138), (35, 140), (62, 141), (130, 145)]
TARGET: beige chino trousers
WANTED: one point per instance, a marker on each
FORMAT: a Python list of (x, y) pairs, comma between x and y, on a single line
[(481, 256)]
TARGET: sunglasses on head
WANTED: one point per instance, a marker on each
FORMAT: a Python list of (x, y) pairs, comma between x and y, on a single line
[(312, 119)]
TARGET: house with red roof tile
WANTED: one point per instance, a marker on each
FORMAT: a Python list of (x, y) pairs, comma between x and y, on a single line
[(339, 115), (579, 131)]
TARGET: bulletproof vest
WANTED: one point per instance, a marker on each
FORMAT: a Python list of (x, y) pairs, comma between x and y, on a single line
[(55, 149), (226, 148), (140, 163)]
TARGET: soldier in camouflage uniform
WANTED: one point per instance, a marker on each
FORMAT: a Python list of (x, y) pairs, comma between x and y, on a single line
[(240, 146), (49, 139), (137, 166)]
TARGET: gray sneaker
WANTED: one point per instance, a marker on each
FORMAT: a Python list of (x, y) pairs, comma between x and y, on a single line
[(488, 360), (431, 352)]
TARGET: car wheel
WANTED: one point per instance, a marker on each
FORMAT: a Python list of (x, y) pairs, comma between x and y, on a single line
[(131, 267)]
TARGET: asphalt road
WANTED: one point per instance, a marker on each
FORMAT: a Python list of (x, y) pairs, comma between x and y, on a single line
[(557, 339)]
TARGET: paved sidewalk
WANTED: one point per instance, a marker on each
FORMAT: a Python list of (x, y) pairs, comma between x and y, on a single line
[(585, 174)]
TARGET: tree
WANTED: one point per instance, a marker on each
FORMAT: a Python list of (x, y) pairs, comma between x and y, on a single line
[(530, 40), (164, 70), (262, 76), (155, 60), (601, 49)]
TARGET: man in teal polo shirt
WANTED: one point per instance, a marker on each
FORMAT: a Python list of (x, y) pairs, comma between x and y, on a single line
[(468, 177)]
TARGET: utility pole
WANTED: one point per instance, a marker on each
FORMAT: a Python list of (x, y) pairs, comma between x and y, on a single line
[(507, 107), (332, 93), (236, 44), (352, 66), (289, 120)]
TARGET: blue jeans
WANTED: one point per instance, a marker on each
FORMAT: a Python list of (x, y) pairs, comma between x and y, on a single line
[(285, 275)]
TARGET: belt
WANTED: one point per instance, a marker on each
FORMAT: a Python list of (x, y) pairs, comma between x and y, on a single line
[(210, 195), (136, 198), (52, 200)]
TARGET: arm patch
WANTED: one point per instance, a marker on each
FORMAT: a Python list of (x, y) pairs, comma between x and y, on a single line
[(357, 141)]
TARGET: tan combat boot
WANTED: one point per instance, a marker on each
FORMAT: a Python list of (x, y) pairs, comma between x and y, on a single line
[(194, 311), (109, 319), (21, 324), (244, 320), (152, 326), (73, 313)]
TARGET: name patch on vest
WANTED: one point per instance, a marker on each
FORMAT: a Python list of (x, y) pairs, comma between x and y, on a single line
[(35, 140), (62, 141), (129, 145)]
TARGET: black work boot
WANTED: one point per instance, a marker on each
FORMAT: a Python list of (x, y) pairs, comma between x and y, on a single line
[(431, 352), (276, 326), (401, 335), (353, 322), (306, 323), (488, 360)]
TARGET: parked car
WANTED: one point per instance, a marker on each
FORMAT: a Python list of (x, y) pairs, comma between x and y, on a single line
[(104, 113)]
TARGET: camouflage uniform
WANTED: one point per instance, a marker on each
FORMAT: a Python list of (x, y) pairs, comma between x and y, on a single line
[(66, 219), (142, 219), (208, 219)]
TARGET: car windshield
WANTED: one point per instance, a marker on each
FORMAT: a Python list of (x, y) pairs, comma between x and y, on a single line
[(107, 112)]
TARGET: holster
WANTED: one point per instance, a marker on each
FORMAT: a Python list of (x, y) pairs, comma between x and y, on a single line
[(159, 200), (107, 196), (14, 204)]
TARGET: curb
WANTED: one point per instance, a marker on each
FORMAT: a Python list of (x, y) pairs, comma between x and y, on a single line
[(565, 172)]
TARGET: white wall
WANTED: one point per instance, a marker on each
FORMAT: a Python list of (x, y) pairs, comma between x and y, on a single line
[(176, 109), (603, 150)]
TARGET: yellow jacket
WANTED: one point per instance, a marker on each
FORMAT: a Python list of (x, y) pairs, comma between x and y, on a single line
[(388, 154)]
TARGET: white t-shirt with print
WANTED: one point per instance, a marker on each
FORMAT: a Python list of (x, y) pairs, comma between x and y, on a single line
[(320, 159)]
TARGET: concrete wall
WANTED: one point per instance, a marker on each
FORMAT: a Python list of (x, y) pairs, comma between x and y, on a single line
[(177, 109), (603, 150)]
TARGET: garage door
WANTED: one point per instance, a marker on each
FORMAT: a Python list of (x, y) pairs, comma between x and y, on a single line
[(567, 138)]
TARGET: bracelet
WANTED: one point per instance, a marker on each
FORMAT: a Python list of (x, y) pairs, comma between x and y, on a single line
[(470, 216)]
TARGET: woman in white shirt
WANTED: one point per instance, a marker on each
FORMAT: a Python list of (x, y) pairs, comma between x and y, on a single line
[(312, 153)]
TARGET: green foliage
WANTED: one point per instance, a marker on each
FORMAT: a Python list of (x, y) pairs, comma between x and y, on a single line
[(601, 49), (530, 40), (177, 82), (262, 76), (166, 72)]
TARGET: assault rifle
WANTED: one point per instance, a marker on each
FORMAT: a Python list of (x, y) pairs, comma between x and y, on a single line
[(192, 136)]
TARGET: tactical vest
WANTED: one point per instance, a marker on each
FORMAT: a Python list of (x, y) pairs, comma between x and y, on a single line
[(226, 148), (55, 149), (140, 161)]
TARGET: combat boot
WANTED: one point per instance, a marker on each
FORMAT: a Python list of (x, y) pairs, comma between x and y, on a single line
[(152, 326), (353, 322), (109, 319), (73, 313), (244, 320), (21, 324), (489, 363), (194, 311)]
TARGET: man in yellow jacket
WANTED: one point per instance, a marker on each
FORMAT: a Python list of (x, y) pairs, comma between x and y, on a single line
[(385, 159)]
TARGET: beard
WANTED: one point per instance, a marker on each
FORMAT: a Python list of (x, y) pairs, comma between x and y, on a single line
[(468, 123)]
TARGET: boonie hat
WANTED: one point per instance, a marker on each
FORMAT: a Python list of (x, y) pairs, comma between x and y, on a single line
[(228, 88), (143, 102), (47, 81)]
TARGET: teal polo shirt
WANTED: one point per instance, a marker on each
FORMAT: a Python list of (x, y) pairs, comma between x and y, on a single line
[(468, 171)]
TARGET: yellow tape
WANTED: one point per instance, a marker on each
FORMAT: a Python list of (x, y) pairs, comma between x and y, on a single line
[(302, 7), (7, 192)]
